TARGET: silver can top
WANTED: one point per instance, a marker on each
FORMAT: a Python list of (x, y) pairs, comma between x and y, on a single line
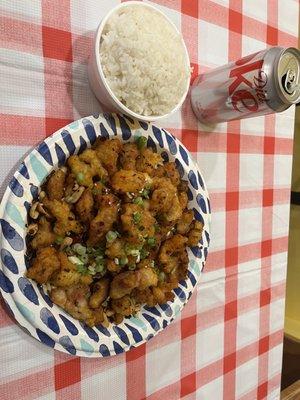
[(288, 75)]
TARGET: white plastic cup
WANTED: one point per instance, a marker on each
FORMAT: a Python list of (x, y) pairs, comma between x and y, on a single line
[(99, 84)]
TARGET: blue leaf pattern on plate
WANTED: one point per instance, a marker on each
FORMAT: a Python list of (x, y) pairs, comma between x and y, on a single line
[(44, 338), (184, 155), (158, 136), (121, 334), (171, 143), (83, 144), (201, 203), (26, 312), (16, 187), (49, 320), (135, 333), (90, 332), (118, 348), (111, 122), (143, 125), (44, 151), (90, 130), (67, 138), (152, 321), (69, 325), (151, 143), (193, 179), (5, 283), (34, 190), (103, 350), (23, 171), (14, 214), (45, 296), (9, 262), (103, 131), (103, 330), (67, 343), (38, 167), (12, 236), (126, 132), (28, 290), (60, 155)]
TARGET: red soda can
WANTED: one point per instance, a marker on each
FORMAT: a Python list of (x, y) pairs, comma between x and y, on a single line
[(261, 83)]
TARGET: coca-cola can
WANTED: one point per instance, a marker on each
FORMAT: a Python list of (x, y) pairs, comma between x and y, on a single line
[(262, 83)]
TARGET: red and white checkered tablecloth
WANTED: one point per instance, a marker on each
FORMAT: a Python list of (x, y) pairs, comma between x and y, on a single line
[(227, 344)]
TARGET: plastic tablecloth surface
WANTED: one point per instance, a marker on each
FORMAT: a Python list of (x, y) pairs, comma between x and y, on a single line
[(227, 343)]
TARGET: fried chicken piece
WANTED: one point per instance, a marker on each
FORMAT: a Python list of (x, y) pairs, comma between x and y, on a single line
[(183, 225), (123, 306), (130, 181), (55, 185), (116, 249), (183, 199), (74, 300), (123, 284), (148, 161), (85, 167), (64, 220), (104, 220), (108, 152), (44, 236), (163, 195), (195, 233), (137, 222), (84, 206), (44, 265), (100, 293), (67, 275), (90, 157), (147, 277), (172, 173), (170, 252), (128, 156)]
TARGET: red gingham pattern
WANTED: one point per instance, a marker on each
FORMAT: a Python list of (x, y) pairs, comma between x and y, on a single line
[(227, 343)]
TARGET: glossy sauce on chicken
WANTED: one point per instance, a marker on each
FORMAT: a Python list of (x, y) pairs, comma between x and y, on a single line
[(109, 232)]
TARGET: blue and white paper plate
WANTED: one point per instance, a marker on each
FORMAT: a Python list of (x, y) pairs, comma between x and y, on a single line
[(27, 302)]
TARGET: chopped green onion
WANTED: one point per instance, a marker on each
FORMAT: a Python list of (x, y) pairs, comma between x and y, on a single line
[(145, 193), (138, 201), (123, 261), (99, 268), (133, 252), (144, 253), (75, 260), (79, 249), (141, 142), (81, 268), (84, 258), (80, 177), (59, 239), (131, 267), (116, 260), (137, 216), (91, 270), (99, 259), (111, 236), (151, 241)]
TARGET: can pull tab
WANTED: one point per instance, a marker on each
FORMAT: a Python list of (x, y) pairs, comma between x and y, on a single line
[(289, 82)]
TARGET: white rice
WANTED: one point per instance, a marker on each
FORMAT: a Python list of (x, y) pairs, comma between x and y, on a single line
[(143, 60)]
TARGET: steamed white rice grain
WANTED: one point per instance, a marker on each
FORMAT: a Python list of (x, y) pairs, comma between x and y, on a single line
[(144, 60)]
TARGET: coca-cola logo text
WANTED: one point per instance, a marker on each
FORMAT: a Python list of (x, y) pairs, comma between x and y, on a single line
[(249, 99)]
